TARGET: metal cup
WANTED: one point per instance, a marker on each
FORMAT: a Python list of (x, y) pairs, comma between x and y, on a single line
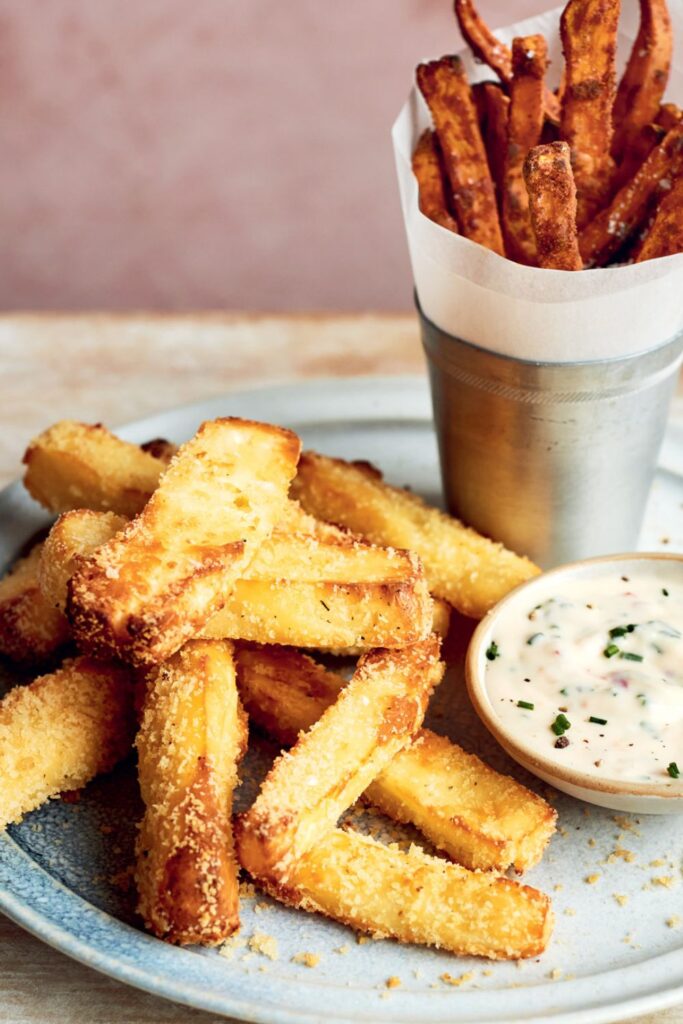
[(553, 459)]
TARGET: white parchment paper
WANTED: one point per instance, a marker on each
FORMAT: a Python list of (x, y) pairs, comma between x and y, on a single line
[(551, 315)]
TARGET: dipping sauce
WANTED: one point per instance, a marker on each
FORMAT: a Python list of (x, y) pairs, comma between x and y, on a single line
[(590, 673)]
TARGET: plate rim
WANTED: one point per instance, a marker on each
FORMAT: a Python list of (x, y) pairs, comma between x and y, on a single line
[(166, 985)]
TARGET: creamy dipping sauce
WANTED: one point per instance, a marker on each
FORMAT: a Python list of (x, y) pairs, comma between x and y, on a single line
[(590, 673)]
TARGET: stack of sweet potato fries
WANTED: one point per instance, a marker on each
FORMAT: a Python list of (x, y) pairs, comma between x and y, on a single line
[(582, 177)]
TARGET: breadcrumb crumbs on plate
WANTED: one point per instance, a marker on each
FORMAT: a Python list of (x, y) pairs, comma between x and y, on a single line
[(247, 890), (668, 881), (621, 898), (620, 853), (362, 940), (673, 922), (393, 982), (307, 959), (343, 950), (570, 912), (626, 823), (592, 842), (487, 974), (449, 979), (658, 863), (555, 974), (264, 944), (592, 879), (559, 887), (231, 945)]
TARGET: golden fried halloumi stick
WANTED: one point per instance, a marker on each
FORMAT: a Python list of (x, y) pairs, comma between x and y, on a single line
[(192, 736), (630, 207), (77, 465), (413, 897), (60, 731), (493, 52), (552, 206), (478, 817), (525, 124), (665, 236), (643, 83), (328, 768), (444, 85), (430, 182), (469, 571), (298, 589), (156, 584), (589, 42), (31, 629)]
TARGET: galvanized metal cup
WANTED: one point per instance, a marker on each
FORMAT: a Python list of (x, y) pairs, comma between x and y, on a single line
[(553, 459)]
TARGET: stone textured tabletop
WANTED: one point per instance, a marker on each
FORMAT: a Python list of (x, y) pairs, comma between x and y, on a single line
[(117, 368)]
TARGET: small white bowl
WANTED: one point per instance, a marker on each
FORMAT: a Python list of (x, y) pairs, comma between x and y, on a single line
[(637, 797)]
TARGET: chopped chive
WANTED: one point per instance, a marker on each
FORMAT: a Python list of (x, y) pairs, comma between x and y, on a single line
[(674, 770), (621, 630), (641, 698), (564, 691), (560, 725), (630, 656), (525, 704), (610, 650), (493, 651), (597, 721), (665, 592), (533, 638)]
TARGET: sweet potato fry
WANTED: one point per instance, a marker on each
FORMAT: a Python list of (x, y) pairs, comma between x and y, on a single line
[(444, 85), (430, 182), (298, 589), (31, 629), (494, 106), (478, 817), (379, 889), (328, 768), (668, 116), (525, 124), (469, 571), (486, 48), (643, 83), (192, 736), (154, 586), (630, 207), (589, 40), (77, 465), (665, 237), (60, 731), (552, 206)]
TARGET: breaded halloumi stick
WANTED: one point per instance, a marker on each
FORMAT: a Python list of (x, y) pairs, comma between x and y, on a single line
[(79, 465), (150, 588), (298, 589), (192, 736), (60, 731), (328, 768), (413, 897), (469, 571), (31, 629), (480, 818)]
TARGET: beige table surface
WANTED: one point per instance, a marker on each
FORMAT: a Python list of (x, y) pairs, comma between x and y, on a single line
[(117, 368)]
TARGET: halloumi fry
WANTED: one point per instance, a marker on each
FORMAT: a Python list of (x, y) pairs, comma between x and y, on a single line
[(441, 621), (192, 736), (79, 465), (444, 85), (329, 766), (630, 207), (430, 182), (494, 112), (644, 80), (160, 448), (589, 42), (665, 237), (297, 590), (155, 585), (490, 50), (480, 818), (60, 731), (552, 206), (525, 124), (469, 571), (31, 629), (391, 894)]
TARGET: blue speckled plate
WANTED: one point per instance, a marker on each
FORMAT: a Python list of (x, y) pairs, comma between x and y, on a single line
[(618, 943)]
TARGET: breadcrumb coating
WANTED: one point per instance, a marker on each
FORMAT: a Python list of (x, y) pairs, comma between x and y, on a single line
[(60, 731), (31, 628)]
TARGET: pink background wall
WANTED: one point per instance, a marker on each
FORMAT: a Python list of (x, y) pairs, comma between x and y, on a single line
[(215, 153)]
